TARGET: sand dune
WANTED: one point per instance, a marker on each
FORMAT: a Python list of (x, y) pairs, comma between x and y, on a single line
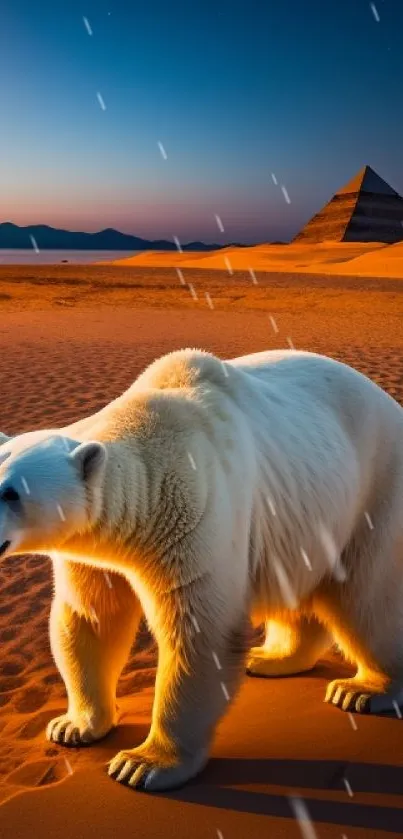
[(279, 738), (385, 262), (373, 259)]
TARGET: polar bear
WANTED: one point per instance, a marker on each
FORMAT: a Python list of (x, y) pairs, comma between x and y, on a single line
[(213, 496)]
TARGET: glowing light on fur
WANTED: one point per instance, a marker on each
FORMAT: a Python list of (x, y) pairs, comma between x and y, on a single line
[(94, 617), (279, 639), (74, 557), (302, 816)]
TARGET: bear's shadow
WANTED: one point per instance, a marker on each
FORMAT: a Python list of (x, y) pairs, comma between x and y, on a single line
[(215, 788), (220, 785)]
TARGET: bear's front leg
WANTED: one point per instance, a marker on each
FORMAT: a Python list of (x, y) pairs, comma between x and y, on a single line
[(93, 623), (202, 653)]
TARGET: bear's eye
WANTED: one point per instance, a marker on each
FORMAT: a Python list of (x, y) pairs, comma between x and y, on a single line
[(10, 495)]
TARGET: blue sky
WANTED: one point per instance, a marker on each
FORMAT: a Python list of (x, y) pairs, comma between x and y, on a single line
[(233, 89)]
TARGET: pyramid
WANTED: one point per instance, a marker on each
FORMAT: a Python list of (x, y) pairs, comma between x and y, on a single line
[(366, 209)]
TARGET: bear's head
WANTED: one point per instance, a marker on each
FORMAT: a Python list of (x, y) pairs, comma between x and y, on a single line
[(50, 490)]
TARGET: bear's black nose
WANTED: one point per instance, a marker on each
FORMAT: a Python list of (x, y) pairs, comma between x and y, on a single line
[(4, 546), (9, 494)]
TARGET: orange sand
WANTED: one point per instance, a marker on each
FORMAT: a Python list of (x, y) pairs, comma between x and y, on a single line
[(366, 260), (279, 738)]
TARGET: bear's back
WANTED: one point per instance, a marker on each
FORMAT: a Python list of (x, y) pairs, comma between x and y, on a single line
[(181, 369)]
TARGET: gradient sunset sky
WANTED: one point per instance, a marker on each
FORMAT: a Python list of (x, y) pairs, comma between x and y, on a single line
[(310, 90)]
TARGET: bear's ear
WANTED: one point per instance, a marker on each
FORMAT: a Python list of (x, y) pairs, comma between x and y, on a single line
[(4, 438), (89, 458)]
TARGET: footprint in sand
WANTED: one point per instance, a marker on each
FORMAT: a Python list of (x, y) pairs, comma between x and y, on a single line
[(40, 773), (8, 764)]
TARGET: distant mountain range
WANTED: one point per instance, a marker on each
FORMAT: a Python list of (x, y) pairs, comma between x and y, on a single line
[(50, 238)]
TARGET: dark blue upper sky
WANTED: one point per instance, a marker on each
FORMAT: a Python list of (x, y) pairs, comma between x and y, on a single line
[(310, 90)]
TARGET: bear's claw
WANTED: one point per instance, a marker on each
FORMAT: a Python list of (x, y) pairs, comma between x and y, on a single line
[(349, 695), (352, 695), (133, 769), (64, 731)]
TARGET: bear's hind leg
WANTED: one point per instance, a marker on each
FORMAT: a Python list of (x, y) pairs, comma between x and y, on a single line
[(372, 689), (293, 645), (365, 617), (93, 622)]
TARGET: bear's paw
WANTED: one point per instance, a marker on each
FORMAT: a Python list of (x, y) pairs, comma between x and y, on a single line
[(351, 695), (72, 731), (366, 697), (144, 770)]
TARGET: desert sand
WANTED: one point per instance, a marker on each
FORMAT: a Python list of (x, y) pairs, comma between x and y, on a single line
[(71, 339), (345, 258)]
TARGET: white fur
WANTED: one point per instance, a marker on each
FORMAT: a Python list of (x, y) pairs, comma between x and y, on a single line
[(214, 493)]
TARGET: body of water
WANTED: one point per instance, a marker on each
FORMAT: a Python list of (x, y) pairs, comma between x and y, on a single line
[(48, 257)]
